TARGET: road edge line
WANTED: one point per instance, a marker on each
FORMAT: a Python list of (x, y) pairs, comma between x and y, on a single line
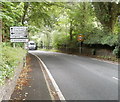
[(57, 89), (105, 61)]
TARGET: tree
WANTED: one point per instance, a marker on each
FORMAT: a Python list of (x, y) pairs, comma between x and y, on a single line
[(26, 6), (107, 13), (11, 16)]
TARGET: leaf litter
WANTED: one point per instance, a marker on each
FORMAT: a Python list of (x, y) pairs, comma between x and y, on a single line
[(23, 81)]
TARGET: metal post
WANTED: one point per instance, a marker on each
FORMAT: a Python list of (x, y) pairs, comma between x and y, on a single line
[(13, 45), (25, 46), (80, 47)]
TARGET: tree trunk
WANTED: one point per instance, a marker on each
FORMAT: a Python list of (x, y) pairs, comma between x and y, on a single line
[(26, 5), (71, 29)]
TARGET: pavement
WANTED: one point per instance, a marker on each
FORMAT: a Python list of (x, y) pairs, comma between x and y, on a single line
[(82, 78), (36, 88)]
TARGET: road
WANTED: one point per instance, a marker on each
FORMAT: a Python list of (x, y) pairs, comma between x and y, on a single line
[(82, 78)]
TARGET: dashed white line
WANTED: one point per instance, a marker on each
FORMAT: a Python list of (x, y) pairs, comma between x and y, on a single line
[(115, 78)]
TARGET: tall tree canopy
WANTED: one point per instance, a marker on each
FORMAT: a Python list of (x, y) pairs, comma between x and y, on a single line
[(107, 13), (64, 21)]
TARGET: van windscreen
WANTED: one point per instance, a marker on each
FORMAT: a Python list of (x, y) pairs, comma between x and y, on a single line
[(32, 44)]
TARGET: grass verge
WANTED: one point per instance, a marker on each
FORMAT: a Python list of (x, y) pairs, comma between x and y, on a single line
[(10, 58)]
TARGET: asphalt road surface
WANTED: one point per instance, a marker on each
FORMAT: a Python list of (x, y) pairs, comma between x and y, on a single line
[(82, 78)]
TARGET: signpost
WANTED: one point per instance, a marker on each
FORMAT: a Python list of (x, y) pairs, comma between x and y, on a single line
[(19, 40), (80, 38), (18, 34)]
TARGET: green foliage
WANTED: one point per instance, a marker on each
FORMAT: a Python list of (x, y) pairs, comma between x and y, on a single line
[(100, 37), (59, 40), (11, 16), (111, 40), (40, 14), (116, 51), (82, 16), (109, 12), (77, 18), (9, 59)]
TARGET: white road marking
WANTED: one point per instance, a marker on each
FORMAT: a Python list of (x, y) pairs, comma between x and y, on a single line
[(61, 97), (115, 78)]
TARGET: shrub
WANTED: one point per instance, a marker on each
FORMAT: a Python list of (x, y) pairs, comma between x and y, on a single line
[(9, 60), (116, 51)]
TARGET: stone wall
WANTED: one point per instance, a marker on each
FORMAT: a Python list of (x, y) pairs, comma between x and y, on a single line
[(90, 51)]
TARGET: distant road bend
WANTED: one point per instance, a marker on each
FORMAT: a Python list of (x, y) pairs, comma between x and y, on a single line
[(81, 78)]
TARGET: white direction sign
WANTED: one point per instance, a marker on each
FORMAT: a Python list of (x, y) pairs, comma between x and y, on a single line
[(18, 32), (19, 40)]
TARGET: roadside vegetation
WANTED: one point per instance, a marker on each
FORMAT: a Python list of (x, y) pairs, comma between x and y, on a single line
[(9, 60)]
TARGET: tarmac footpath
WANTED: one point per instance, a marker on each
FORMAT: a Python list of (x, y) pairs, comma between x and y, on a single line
[(36, 88)]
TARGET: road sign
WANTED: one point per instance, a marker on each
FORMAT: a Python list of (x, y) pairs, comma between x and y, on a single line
[(18, 32), (19, 40), (80, 37)]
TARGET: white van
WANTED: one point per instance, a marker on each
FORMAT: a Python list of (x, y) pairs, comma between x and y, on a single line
[(32, 45)]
